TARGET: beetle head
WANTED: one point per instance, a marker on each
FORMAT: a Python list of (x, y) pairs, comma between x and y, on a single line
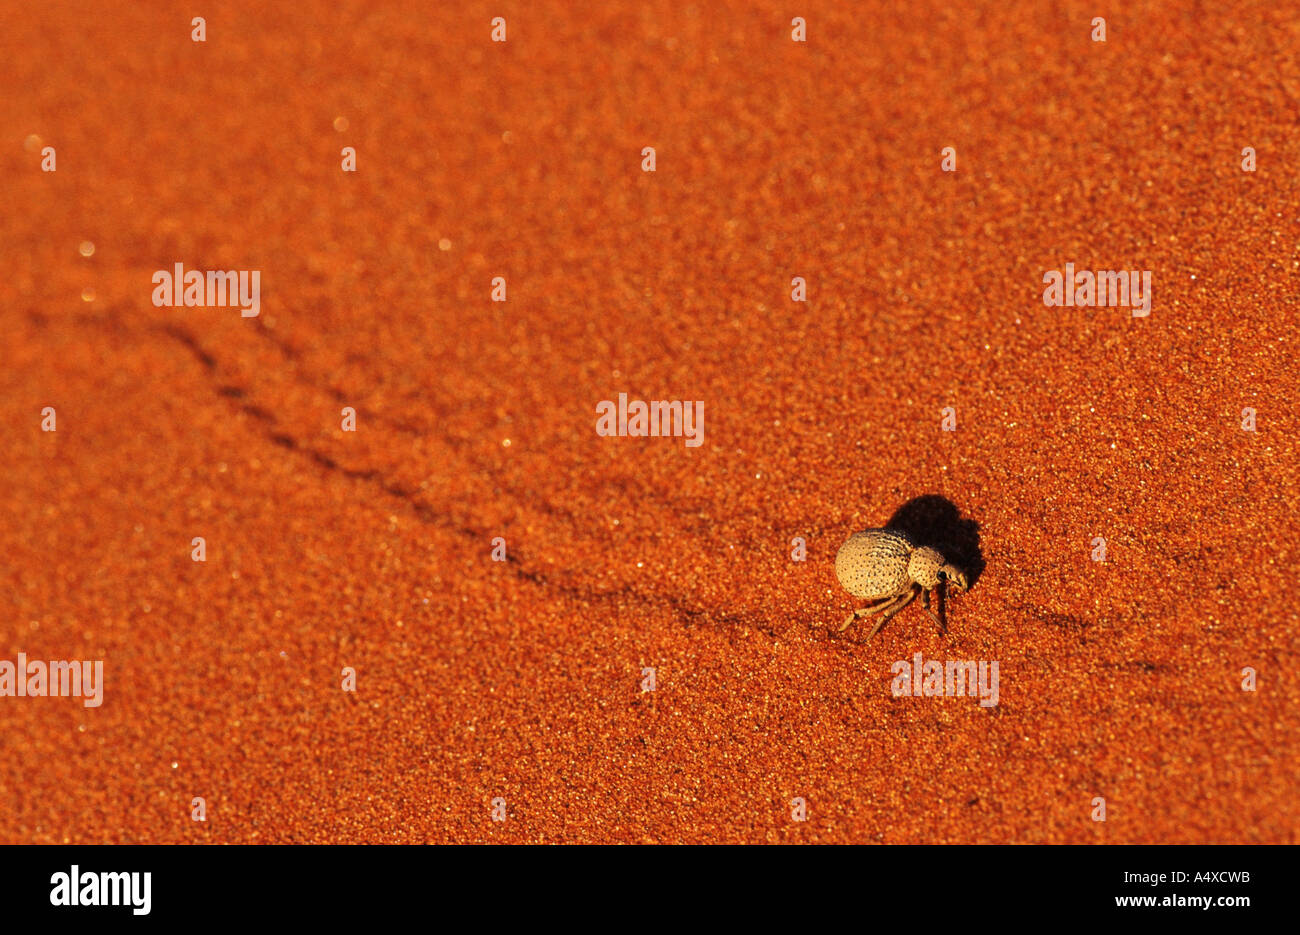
[(955, 577)]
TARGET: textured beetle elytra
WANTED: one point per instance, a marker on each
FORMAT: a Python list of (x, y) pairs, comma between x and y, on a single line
[(886, 568)]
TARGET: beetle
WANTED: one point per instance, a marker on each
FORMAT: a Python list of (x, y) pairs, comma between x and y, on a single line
[(887, 568)]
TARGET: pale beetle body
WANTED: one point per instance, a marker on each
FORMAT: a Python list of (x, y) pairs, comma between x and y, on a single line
[(887, 568)]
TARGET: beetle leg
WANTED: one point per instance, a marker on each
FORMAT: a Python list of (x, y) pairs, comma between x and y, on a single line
[(864, 611), (925, 602), (893, 607)]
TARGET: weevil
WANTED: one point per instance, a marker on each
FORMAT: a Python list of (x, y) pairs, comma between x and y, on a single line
[(887, 568)]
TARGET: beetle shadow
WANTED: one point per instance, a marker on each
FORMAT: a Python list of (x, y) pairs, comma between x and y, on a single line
[(935, 521)]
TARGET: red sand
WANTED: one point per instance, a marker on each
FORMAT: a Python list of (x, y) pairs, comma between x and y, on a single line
[(522, 680)]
